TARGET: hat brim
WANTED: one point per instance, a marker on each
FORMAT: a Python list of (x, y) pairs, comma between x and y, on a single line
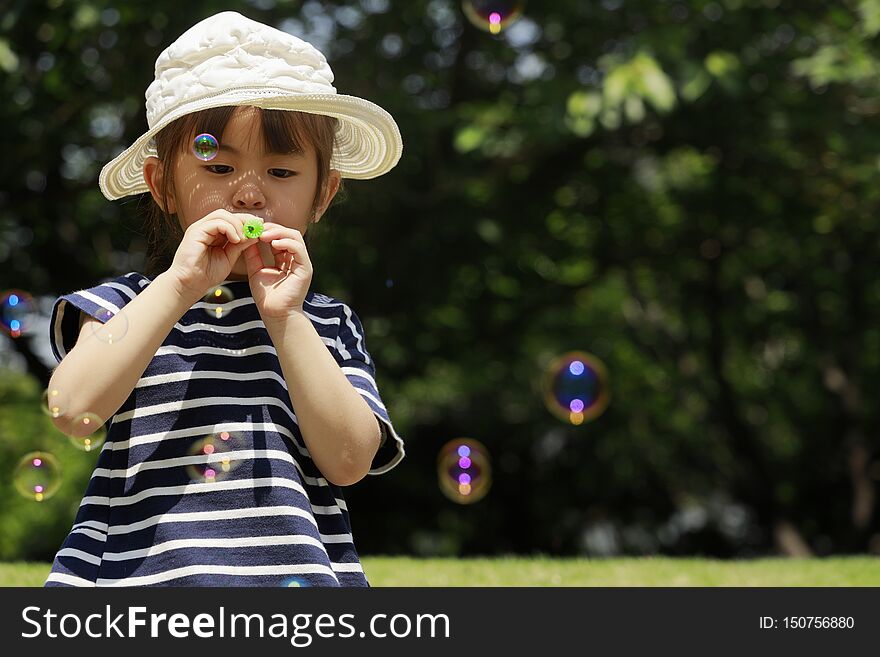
[(368, 142)]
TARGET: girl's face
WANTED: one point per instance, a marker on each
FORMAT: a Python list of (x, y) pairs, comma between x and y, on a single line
[(242, 178)]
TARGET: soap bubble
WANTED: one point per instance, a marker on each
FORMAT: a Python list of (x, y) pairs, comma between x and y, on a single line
[(214, 456), (54, 402), (294, 582), (88, 432), (575, 387), (464, 471), (493, 16), (217, 301), (37, 476), (16, 310), (109, 334), (206, 146)]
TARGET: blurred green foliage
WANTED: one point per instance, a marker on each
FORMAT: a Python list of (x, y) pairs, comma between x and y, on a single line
[(28, 527), (684, 189)]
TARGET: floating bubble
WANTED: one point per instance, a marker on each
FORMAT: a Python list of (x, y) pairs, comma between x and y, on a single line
[(16, 310), (214, 456), (294, 582), (112, 333), (464, 470), (206, 146), (575, 387), (492, 16), (88, 432), (54, 402), (217, 301), (37, 476), (253, 228)]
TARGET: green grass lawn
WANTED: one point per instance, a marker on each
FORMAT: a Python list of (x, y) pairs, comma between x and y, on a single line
[(543, 571)]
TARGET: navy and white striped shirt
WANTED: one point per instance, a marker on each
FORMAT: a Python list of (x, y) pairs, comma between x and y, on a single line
[(158, 511)]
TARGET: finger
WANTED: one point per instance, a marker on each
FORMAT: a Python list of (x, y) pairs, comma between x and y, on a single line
[(246, 216), (275, 231), (233, 251), (236, 220), (287, 261), (284, 253), (296, 254), (213, 228), (239, 217), (288, 244), (223, 215), (252, 259)]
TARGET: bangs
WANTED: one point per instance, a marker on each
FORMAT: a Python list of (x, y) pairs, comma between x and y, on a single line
[(283, 132)]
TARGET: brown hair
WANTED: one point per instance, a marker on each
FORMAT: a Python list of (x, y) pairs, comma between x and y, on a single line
[(283, 132)]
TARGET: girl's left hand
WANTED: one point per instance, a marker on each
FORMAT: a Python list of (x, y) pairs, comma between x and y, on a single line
[(281, 290)]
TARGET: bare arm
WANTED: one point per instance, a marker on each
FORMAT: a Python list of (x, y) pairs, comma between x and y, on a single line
[(339, 428), (96, 376)]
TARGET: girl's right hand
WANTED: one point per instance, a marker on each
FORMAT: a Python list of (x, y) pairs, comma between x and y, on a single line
[(208, 250)]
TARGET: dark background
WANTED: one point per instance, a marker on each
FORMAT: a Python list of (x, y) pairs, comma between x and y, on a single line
[(686, 190)]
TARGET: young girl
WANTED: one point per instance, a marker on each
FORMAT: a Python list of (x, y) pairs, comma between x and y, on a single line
[(231, 426)]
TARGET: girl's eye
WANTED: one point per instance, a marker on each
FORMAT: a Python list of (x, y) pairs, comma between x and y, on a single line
[(213, 168), (282, 173)]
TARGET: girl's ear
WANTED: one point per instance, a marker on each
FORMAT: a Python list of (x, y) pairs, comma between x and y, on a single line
[(331, 187), (153, 176)]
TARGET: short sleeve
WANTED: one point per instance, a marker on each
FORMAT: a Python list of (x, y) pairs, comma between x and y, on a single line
[(359, 369), (101, 302)]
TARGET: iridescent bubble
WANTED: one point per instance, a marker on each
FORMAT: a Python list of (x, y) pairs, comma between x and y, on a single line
[(87, 432), (493, 16), (16, 311), (294, 582), (37, 476), (213, 456), (464, 470), (217, 301), (206, 146), (107, 332), (575, 387), (54, 402)]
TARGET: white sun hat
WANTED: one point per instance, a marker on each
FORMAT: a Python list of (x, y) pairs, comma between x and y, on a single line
[(229, 59)]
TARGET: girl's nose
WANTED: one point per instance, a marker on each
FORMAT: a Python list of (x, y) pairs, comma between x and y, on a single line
[(249, 195)]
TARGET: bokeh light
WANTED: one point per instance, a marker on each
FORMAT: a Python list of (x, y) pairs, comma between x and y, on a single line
[(213, 457), (205, 147), (16, 310), (54, 402), (88, 432), (575, 387), (294, 583), (114, 332), (491, 15), (37, 476), (217, 301), (464, 470)]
